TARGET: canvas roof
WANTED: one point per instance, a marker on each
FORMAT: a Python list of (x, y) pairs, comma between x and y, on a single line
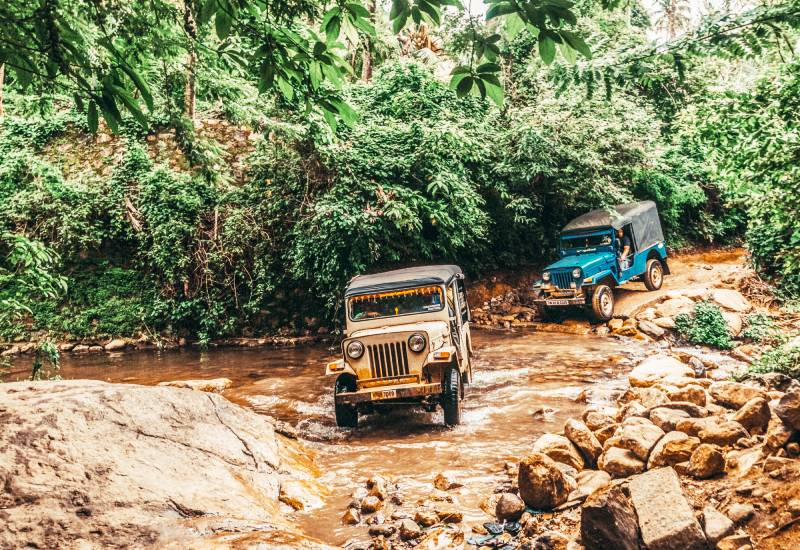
[(616, 216), (401, 278)]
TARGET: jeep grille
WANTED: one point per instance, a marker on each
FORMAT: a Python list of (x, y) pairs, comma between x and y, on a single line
[(562, 279), (388, 360)]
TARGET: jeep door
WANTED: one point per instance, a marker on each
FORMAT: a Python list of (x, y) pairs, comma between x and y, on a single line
[(461, 320)]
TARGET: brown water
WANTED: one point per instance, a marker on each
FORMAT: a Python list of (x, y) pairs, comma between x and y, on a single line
[(516, 374)]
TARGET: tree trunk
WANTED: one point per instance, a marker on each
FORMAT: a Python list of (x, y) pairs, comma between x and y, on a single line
[(366, 61), (2, 80), (190, 27)]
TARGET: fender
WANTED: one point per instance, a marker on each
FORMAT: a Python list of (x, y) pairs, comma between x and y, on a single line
[(599, 276), (445, 354), (335, 368)]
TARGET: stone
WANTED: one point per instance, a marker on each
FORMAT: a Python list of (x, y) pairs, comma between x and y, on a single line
[(583, 438), (615, 324), (608, 521), (550, 540), (724, 434), (734, 394), (674, 306), (671, 449), (298, 494), (666, 520), (664, 322), (698, 366), (351, 517), (385, 530), (560, 449), (215, 385), (732, 300), (136, 466), (691, 393), (377, 487), (788, 408), (542, 485), (595, 420), (650, 397), (690, 408), (774, 381), (651, 329), (371, 504), (426, 518), (740, 463), (448, 514), (657, 368), (739, 541), (754, 415), (409, 530), (638, 438), (706, 461), (444, 481), (716, 525), (693, 426), (117, 344), (734, 322), (740, 512), (666, 419), (634, 408), (588, 482), (647, 314), (620, 462), (778, 434), (509, 507), (603, 434)]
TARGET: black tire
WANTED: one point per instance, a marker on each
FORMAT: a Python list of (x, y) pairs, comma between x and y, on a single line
[(603, 302), (346, 415), (545, 313), (653, 274), (451, 394)]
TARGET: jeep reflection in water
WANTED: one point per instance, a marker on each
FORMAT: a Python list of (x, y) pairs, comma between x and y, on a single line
[(407, 343), (599, 251)]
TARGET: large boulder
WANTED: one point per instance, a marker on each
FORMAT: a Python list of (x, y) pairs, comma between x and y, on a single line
[(112, 465), (588, 482), (673, 448), (596, 420), (560, 449), (666, 520), (657, 369), (691, 393), (724, 434), (620, 463), (608, 521), (674, 306), (732, 300), (541, 483), (638, 438), (651, 329), (666, 419), (734, 394), (754, 415), (583, 438), (788, 408)]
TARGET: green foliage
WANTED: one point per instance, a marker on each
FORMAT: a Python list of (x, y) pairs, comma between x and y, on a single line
[(784, 359), (46, 364), (760, 328), (705, 326)]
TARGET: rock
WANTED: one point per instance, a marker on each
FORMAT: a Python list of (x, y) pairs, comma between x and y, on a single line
[(774, 381), (80, 348), (788, 408), (605, 433), (299, 495), (444, 482), (116, 344), (650, 397), (671, 449), (215, 385), (651, 329), (664, 322), (724, 433), (632, 409), (541, 484), (385, 530), (615, 324), (666, 521), (620, 462), (740, 463), (560, 449), (698, 366), (666, 419), (740, 512), (732, 300), (595, 420), (657, 368), (674, 306), (509, 507), (716, 525), (706, 461), (351, 517), (371, 504), (734, 322), (754, 415), (778, 434), (426, 518), (377, 487), (550, 540), (409, 530), (739, 541), (734, 394), (638, 438), (129, 463), (448, 514), (583, 438), (690, 408), (588, 482), (608, 521), (691, 393)]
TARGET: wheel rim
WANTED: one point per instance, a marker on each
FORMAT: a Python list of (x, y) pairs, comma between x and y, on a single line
[(655, 276), (605, 303)]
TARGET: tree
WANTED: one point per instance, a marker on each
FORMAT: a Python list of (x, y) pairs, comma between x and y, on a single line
[(673, 17)]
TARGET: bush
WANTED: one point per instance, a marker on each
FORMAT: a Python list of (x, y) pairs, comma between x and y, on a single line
[(784, 359), (760, 328), (705, 326)]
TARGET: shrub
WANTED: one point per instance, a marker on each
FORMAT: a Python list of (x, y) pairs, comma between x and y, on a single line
[(705, 325), (760, 328), (784, 359)]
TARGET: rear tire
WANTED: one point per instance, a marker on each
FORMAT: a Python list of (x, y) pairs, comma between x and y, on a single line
[(451, 393), (603, 303), (653, 274), (346, 415)]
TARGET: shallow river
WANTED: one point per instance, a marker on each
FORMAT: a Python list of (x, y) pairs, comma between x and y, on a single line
[(516, 375)]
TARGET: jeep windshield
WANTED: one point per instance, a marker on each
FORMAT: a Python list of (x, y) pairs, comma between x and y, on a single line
[(585, 242), (394, 303)]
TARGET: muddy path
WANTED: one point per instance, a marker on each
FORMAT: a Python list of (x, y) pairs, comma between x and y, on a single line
[(525, 384)]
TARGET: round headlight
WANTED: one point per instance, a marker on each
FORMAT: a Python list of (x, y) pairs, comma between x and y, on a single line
[(355, 349), (417, 342), (576, 272), (546, 276)]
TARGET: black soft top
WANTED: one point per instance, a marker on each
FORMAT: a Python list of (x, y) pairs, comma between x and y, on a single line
[(643, 217), (402, 278)]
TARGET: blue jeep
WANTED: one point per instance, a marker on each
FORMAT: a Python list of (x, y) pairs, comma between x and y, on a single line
[(590, 266)]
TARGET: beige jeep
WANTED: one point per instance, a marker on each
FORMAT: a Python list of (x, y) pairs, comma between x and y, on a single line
[(407, 343)]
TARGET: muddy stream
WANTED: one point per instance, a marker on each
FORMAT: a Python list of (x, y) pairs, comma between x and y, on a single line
[(516, 375)]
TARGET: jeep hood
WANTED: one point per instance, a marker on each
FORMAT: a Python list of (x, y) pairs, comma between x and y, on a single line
[(433, 328), (587, 262)]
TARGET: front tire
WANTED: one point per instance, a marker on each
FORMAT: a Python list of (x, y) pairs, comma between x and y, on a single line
[(451, 393), (346, 415), (603, 303), (653, 274)]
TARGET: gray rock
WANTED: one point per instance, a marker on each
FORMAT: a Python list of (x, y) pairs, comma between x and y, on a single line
[(732, 300), (666, 521), (608, 521), (509, 507), (716, 525), (788, 408), (740, 512), (588, 482), (583, 438)]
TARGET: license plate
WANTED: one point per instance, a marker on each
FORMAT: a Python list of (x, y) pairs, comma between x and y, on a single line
[(385, 394), (557, 302)]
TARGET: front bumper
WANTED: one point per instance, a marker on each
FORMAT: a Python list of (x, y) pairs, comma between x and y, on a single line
[(389, 393), (555, 297)]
